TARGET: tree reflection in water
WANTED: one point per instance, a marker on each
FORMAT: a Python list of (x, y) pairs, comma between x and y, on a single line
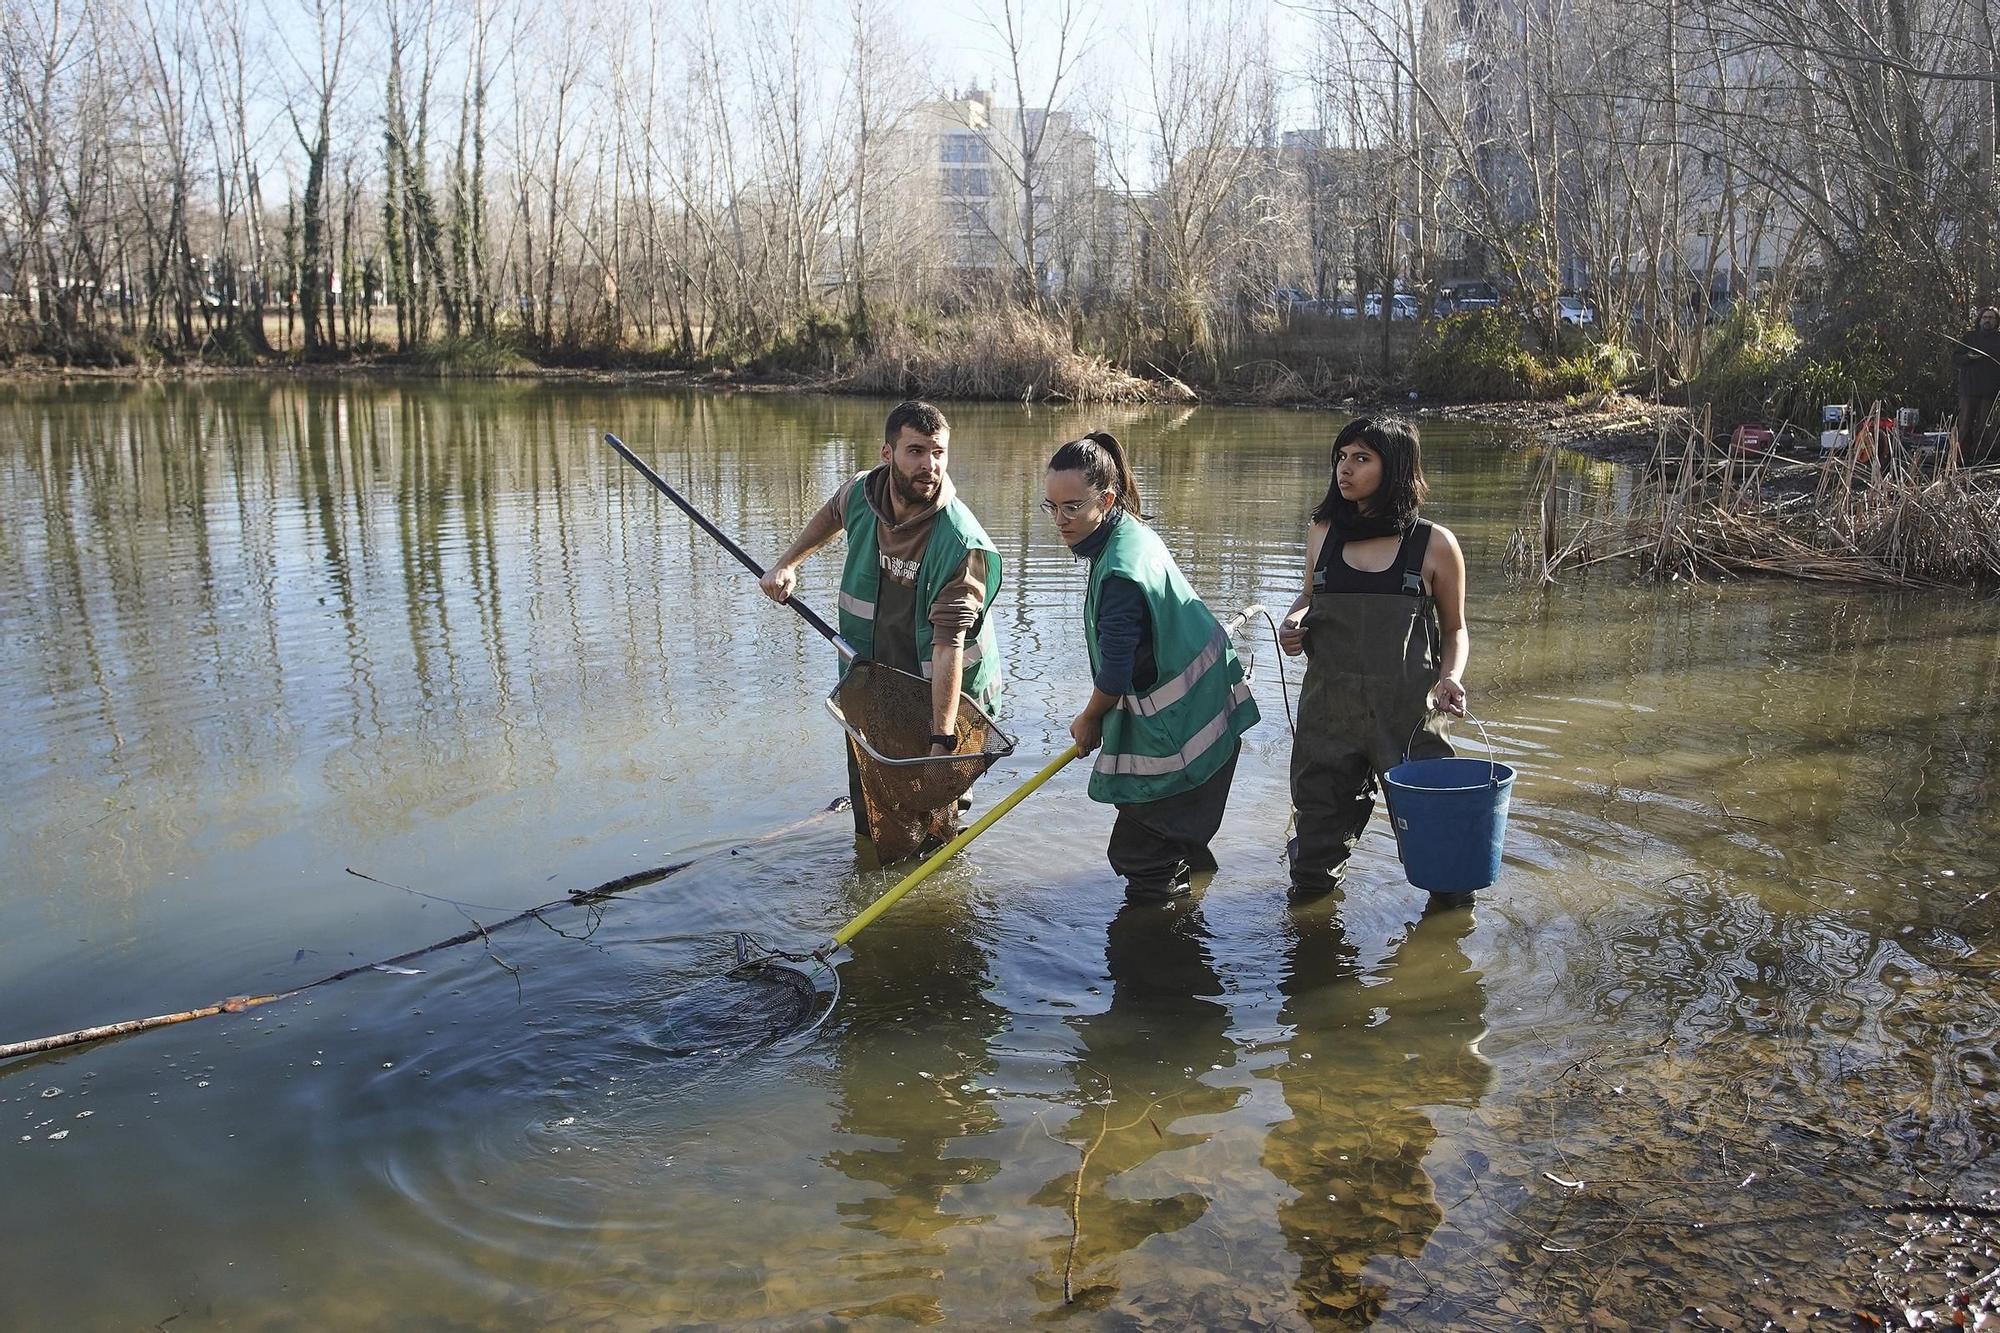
[(1138, 1069), (913, 1030), (1370, 1050)]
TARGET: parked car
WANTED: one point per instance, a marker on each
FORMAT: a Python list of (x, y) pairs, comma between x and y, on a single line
[(1401, 306), (1459, 297), (1576, 311), (1294, 300)]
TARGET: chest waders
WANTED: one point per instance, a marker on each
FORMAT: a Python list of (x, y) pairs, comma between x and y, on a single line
[(884, 832), (1168, 756), (1372, 649)]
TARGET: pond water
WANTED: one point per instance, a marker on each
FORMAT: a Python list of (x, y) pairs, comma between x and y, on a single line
[(1730, 1002)]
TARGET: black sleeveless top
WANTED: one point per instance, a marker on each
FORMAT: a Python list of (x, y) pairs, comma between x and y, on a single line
[(1406, 575)]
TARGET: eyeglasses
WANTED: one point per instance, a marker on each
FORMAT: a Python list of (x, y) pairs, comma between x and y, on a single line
[(1065, 511)]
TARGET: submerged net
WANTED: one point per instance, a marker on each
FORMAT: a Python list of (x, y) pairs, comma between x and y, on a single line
[(742, 1011), (910, 797)]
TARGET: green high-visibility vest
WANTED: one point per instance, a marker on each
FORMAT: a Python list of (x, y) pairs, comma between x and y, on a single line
[(1175, 736), (955, 533)]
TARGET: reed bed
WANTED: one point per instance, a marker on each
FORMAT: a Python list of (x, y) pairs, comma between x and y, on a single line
[(1890, 516), (1006, 354)]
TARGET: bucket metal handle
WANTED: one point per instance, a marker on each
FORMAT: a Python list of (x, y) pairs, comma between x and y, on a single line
[(1492, 764)]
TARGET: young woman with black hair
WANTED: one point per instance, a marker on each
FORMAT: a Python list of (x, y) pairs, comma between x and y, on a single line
[(1381, 620), (1168, 700)]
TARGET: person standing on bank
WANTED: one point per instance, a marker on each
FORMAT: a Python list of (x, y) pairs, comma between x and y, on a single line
[(1381, 620), (1168, 701), (1978, 360), (919, 578)]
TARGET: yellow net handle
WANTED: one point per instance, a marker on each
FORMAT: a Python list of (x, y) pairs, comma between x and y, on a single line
[(946, 852)]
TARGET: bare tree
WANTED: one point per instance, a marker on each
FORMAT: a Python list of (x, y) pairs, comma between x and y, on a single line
[(62, 88), (1042, 46), (553, 50), (796, 155), (1208, 132), (413, 227), (319, 70), (234, 52), (880, 69), (470, 278)]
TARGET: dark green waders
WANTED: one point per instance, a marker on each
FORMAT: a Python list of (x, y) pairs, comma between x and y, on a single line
[(1371, 661), (1158, 846)]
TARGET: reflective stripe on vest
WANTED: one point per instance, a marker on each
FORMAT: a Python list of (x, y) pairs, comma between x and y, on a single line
[(1171, 739), (854, 606), (1166, 695), (1154, 766)]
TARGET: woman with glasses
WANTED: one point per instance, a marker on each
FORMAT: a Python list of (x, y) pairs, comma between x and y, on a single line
[(1168, 701), (1381, 620)]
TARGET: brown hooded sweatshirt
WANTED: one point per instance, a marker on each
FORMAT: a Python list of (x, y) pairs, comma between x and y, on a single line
[(958, 605)]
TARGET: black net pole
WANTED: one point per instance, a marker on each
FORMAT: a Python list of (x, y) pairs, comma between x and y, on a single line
[(722, 538)]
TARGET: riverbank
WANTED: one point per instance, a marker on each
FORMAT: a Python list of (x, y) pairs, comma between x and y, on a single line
[(1616, 428), (1896, 516)]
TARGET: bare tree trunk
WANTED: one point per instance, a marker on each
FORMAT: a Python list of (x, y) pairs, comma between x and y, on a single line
[(316, 256), (400, 284)]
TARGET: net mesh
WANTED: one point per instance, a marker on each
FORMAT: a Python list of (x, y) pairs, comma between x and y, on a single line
[(744, 1011), (911, 798)]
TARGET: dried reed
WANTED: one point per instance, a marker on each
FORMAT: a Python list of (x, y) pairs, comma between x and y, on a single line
[(1889, 515), (1006, 354)]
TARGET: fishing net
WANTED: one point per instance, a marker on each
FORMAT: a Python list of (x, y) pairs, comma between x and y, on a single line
[(909, 796), (746, 1010)]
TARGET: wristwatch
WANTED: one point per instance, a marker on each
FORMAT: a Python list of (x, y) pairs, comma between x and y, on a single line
[(948, 742)]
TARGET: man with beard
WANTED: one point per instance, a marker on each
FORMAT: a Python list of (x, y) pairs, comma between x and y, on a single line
[(919, 578)]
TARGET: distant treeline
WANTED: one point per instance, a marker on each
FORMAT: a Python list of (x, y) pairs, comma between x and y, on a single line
[(468, 182)]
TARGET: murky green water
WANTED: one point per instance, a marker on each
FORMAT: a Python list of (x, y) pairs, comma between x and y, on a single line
[(1734, 990)]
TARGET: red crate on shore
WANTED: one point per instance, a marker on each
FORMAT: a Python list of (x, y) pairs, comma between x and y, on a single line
[(1749, 439)]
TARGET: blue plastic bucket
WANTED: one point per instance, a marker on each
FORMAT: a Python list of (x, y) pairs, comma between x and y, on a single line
[(1450, 817)]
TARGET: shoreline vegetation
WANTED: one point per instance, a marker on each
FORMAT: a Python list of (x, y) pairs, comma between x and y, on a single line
[(1892, 513), (1005, 354), (1700, 509)]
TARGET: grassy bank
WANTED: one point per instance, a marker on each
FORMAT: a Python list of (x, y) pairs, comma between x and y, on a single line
[(1008, 354), (1752, 367)]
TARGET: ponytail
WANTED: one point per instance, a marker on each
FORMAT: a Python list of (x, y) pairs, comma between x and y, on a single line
[(1101, 460)]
